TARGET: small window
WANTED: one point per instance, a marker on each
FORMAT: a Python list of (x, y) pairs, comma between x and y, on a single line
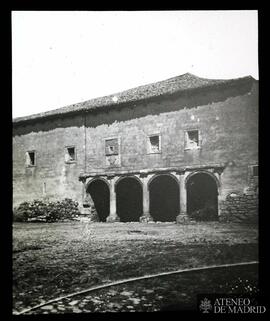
[(192, 139), (255, 170), (154, 144), (111, 147), (31, 158), (70, 155)]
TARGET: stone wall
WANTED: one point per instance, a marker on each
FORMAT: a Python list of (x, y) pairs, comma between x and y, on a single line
[(52, 177), (240, 207), (227, 121), (228, 130)]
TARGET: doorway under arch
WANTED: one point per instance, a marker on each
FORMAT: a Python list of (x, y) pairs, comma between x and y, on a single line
[(100, 194), (129, 199), (202, 197), (164, 198)]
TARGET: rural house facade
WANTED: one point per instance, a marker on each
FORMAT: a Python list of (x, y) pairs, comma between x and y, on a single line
[(161, 152)]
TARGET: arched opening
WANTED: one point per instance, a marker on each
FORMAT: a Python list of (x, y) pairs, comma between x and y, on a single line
[(129, 199), (164, 198), (202, 197), (100, 194)]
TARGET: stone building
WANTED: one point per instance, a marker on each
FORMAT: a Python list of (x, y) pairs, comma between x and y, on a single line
[(161, 152)]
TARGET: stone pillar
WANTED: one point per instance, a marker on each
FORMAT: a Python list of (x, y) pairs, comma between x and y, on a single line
[(113, 217), (88, 210), (83, 180), (146, 217), (219, 190), (84, 208), (182, 217)]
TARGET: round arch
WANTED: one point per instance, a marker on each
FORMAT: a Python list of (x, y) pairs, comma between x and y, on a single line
[(164, 197), (99, 191), (162, 174), (202, 196), (129, 176), (129, 198), (203, 172), (97, 179)]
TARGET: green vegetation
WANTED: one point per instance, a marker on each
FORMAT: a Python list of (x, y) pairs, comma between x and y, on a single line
[(42, 211)]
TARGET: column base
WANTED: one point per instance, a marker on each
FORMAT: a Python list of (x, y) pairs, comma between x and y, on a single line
[(145, 218), (113, 218), (89, 213), (182, 218)]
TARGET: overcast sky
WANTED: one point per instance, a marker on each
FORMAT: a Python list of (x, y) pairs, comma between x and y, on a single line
[(64, 57)]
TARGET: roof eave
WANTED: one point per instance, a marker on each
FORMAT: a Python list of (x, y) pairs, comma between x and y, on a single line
[(86, 109)]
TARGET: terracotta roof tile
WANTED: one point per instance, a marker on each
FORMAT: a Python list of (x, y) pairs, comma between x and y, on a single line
[(180, 83)]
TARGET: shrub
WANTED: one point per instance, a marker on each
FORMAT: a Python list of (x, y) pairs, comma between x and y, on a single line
[(20, 213), (38, 210)]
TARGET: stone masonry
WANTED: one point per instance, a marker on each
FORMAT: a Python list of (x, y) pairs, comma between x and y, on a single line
[(111, 139), (240, 208)]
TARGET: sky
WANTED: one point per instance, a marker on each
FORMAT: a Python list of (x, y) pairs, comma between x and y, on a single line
[(65, 57)]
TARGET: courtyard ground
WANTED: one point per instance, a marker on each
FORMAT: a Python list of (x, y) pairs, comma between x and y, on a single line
[(53, 259)]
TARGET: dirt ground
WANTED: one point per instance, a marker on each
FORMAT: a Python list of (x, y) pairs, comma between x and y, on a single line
[(50, 260), (166, 293)]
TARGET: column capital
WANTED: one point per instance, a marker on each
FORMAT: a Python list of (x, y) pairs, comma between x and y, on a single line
[(218, 171), (111, 176), (82, 179), (143, 175), (180, 172)]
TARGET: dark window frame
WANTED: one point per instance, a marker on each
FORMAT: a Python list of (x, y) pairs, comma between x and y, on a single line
[(257, 170), (30, 162), (187, 145), (67, 154), (150, 145), (112, 152)]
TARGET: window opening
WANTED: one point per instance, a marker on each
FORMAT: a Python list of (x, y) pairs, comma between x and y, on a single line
[(192, 139)]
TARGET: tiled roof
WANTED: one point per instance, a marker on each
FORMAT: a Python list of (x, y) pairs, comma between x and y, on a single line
[(166, 87)]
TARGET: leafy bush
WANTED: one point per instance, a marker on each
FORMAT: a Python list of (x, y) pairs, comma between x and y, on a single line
[(38, 210), (20, 214)]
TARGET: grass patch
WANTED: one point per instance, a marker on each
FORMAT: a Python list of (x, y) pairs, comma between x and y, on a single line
[(52, 259)]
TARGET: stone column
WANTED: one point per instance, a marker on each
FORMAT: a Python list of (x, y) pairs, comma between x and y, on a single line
[(182, 217), (83, 180), (88, 210), (146, 217), (219, 196), (84, 207), (113, 217)]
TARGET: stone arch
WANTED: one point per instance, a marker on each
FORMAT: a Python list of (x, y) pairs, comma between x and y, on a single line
[(203, 172), (129, 198), (128, 176), (99, 191), (202, 195), (164, 197), (95, 179), (162, 174)]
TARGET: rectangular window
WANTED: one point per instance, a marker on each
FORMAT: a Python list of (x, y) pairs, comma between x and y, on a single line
[(111, 146), (255, 170), (192, 139), (31, 158), (70, 155), (154, 144)]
